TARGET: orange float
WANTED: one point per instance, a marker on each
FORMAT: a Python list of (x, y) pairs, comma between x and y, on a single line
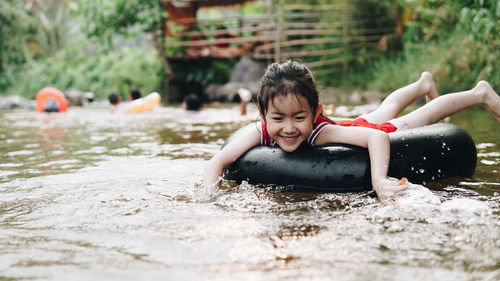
[(54, 94), (143, 104)]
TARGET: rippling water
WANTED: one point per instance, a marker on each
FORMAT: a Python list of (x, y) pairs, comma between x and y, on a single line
[(90, 195)]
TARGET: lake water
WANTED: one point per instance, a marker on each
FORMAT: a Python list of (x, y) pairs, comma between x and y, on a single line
[(91, 195)]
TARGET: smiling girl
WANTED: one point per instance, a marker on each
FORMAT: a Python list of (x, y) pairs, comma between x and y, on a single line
[(290, 112)]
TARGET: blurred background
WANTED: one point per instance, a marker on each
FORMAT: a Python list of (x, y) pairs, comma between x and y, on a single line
[(186, 47)]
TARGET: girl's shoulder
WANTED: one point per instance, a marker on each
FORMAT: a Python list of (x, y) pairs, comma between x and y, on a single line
[(324, 119), (322, 122)]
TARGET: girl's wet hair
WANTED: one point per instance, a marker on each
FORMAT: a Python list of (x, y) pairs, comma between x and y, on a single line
[(287, 78)]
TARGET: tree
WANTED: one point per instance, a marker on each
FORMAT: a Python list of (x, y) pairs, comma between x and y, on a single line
[(105, 18), (15, 25)]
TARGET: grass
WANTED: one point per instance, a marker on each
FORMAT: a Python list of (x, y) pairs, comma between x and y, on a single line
[(457, 64)]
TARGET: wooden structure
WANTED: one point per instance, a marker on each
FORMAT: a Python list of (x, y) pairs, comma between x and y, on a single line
[(327, 38)]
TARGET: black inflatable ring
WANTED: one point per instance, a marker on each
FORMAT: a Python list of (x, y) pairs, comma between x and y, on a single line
[(423, 154)]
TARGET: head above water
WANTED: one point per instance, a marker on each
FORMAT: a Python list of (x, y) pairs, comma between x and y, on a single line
[(135, 94), (114, 99), (192, 102), (289, 78), (51, 106)]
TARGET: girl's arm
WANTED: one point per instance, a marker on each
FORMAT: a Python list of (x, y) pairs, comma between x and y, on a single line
[(227, 155), (378, 146)]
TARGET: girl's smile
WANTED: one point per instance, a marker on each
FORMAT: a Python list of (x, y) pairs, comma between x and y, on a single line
[(289, 121)]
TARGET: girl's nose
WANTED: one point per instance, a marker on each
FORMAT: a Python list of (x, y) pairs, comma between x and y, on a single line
[(288, 127)]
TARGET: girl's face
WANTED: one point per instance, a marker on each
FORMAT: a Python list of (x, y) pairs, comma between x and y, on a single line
[(289, 121)]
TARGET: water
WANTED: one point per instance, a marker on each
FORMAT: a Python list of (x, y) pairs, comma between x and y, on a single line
[(89, 195)]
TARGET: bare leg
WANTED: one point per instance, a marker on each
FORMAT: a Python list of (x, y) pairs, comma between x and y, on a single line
[(398, 100), (446, 105)]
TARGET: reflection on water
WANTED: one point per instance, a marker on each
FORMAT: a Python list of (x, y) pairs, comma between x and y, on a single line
[(89, 195)]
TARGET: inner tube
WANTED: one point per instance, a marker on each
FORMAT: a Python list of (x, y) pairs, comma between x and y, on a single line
[(143, 104), (45, 95), (423, 154)]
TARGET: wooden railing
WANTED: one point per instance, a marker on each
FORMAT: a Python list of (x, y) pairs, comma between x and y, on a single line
[(324, 37)]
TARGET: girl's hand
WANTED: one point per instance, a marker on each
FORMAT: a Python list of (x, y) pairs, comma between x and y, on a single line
[(388, 188), (212, 187), (243, 142)]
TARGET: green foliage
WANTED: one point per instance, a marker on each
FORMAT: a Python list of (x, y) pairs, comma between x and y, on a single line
[(102, 74), (56, 29), (436, 19), (214, 72), (454, 68), (196, 75), (457, 41), (104, 18), (433, 19), (254, 8), (481, 19), (31, 31), (15, 26), (35, 31)]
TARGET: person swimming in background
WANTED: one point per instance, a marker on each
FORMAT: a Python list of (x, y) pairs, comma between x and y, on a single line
[(114, 100), (137, 103), (134, 94), (51, 106), (290, 112), (192, 103)]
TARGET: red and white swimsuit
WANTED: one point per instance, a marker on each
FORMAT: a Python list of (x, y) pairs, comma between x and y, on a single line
[(388, 127)]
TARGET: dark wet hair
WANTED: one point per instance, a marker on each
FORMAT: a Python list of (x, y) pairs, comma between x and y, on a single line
[(113, 99), (193, 102), (135, 94), (287, 78)]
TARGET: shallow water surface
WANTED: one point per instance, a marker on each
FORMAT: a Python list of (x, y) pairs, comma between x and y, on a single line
[(90, 195)]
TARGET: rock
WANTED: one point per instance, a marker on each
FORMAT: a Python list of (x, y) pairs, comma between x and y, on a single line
[(355, 97), (13, 102), (79, 98), (246, 74), (372, 97), (229, 91), (247, 70)]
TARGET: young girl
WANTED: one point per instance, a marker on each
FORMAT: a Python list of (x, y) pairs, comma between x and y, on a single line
[(290, 115)]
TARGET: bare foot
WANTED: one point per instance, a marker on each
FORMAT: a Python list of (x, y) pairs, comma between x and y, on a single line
[(429, 84), (491, 100)]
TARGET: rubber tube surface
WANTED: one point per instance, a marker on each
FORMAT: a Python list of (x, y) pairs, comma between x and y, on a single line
[(422, 155)]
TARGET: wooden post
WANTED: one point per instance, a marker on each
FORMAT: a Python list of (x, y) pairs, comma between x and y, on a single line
[(279, 31), (240, 18), (345, 18), (269, 7)]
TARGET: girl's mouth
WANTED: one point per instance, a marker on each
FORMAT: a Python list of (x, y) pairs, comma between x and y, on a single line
[(289, 139)]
